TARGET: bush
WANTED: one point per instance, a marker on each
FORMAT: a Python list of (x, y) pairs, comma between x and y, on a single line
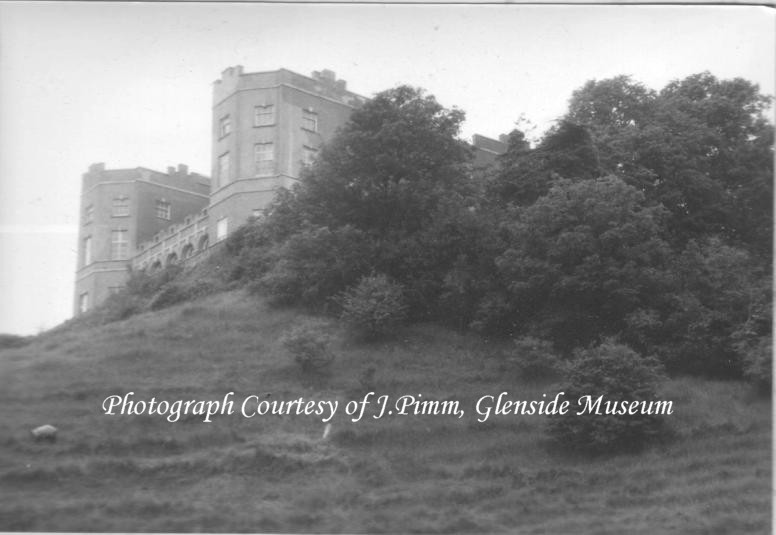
[(757, 359), (316, 264), (534, 358), (374, 307), (617, 373), (169, 295), (120, 306), (752, 341), (308, 344), (145, 284), (178, 292)]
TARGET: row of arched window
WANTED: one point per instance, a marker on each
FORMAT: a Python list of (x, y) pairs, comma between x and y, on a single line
[(188, 251)]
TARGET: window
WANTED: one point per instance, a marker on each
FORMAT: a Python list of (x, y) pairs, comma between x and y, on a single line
[(264, 115), (308, 155), (163, 209), (83, 302), (222, 227), (310, 120), (223, 169), (224, 126), (120, 206), (114, 289), (89, 214), (119, 244), (87, 250), (264, 158)]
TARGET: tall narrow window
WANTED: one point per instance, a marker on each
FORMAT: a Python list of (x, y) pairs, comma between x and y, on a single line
[(121, 206), (264, 158), (224, 126), (222, 228), (83, 302), (163, 209), (264, 115), (310, 120), (308, 155), (223, 169), (119, 244), (89, 214), (87, 250)]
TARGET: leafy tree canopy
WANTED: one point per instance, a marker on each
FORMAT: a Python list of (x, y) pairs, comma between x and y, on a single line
[(566, 151), (580, 259), (389, 165), (701, 146)]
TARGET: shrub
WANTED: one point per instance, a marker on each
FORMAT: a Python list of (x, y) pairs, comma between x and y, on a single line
[(169, 295), (308, 344), (534, 358), (757, 359), (617, 373), (120, 306), (316, 264), (200, 288), (145, 284), (178, 292), (752, 341), (374, 307)]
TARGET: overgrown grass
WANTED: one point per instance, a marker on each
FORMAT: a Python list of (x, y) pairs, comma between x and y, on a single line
[(434, 474)]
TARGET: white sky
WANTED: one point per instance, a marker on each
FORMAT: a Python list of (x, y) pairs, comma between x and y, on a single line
[(129, 85)]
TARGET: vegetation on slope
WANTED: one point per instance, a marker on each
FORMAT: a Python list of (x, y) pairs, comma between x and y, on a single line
[(632, 240), (401, 474)]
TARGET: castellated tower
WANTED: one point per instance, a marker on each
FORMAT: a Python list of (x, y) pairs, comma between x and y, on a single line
[(266, 127), (120, 209)]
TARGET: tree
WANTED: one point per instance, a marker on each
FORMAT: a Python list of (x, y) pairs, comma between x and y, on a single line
[(702, 147), (578, 261), (613, 110), (718, 293), (525, 174), (389, 166), (315, 264)]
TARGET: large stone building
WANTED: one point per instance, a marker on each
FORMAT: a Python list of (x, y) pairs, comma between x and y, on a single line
[(122, 209), (266, 127)]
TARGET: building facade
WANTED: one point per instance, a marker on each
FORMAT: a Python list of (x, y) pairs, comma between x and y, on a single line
[(266, 127), (120, 210)]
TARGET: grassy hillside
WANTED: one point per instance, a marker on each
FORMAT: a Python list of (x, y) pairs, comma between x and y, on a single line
[(401, 474)]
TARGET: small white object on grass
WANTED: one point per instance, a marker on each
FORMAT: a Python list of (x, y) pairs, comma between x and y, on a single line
[(44, 433), (326, 431)]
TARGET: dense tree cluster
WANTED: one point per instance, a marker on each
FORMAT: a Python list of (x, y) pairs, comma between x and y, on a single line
[(642, 216)]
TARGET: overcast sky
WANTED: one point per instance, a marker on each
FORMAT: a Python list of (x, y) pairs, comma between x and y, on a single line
[(129, 85)]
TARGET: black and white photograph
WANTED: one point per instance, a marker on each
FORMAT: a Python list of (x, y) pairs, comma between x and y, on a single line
[(279, 267)]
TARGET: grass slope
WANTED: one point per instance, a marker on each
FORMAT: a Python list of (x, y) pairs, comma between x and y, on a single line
[(403, 474)]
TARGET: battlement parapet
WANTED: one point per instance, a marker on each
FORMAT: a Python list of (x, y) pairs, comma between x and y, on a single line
[(323, 83), (179, 177)]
